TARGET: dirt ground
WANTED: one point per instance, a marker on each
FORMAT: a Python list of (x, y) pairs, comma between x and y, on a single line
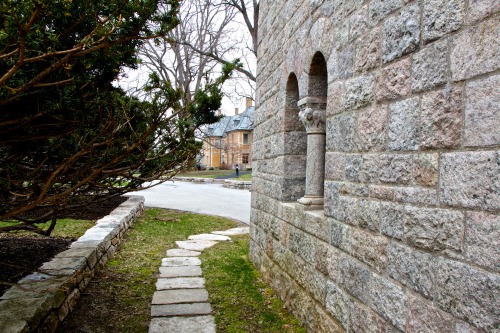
[(20, 256)]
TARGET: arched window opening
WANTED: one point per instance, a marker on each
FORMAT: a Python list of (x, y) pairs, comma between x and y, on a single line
[(295, 140), (313, 116)]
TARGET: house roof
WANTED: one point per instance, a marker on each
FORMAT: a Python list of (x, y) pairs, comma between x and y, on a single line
[(239, 122)]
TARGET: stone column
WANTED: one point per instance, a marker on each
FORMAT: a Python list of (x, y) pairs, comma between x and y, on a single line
[(313, 116)]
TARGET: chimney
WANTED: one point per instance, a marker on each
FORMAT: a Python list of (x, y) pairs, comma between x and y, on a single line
[(248, 102), (236, 110)]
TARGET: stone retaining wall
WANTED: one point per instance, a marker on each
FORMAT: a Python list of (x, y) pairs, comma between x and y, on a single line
[(236, 184), (41, 300), (376, 163)]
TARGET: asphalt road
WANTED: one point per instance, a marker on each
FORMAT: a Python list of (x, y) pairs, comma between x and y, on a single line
[(211, 199)]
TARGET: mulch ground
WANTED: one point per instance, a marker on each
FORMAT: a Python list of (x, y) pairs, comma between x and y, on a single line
[(21, 256)]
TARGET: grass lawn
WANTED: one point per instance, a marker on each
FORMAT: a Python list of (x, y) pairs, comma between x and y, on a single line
[(123, 290), (206, 173)]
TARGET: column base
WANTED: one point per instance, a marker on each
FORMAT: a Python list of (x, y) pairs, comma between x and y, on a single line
[(311, 202)]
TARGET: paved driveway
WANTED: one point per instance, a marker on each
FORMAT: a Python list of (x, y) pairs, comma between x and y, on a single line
[(211, 199)]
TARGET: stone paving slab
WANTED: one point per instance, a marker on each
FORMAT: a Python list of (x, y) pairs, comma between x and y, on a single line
[(198, 324), (180, 261), (233, 232), (170, 310), (195, 245), (182, 253), (182, 271), (180, 296), (180, 283), (210, 237)]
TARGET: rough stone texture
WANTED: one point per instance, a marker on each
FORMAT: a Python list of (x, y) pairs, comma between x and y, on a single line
[(210, 237), (430, 66), (426, 318), (403, 124), (471, 179), (441, 119), (441, 17), (425, 169), (358, 92), (482, 112), (401, 33), (412, 268), (468, 293), (389, 300), (200, 324), (482, 239), (435, 230), (475, 50), (195, 245), (407, 238), (372, 124), (393, 81)]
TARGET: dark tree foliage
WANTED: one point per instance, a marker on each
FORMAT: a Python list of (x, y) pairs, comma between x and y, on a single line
[(67, 135)]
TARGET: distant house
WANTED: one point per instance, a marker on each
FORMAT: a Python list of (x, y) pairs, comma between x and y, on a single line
[(229, 141)]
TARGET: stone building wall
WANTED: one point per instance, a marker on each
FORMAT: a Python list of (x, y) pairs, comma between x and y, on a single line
[(376, 186)]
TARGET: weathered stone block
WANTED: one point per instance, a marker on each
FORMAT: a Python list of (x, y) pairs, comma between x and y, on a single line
[(395, 169), (343, 63), (425, 169), (337, 303), (372, 124), (352, 166), (368, 52), (393, 81), (335, 166), (368, 214), (335, 101), (370, 249), (482, 239), (403, 124), (381, 192), (441, 119), (392, 217), (341, 133), (379, 9), (358, 23), (389, 300), (441, 17), (401, 33), (355, 278), (410, 267), (436, 230), (416, 195), (475, 50), (430, 66), (331, 197), (482, 112), (471, 179), (369, 170), (328, 260), (341, 235), (468, 293), (363, 320), (302, 244), (479, 9), (358, 92), (425, 318)]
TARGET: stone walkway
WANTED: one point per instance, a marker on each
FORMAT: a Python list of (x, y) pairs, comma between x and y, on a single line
[(180, 303)]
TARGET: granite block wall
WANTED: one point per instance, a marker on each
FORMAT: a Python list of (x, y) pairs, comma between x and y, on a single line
[(408, 237)]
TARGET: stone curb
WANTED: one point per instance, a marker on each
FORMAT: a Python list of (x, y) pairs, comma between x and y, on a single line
[(43, 299), (236, 184)]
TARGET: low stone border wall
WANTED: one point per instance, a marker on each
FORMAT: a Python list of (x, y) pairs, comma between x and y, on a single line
[(41, 300), (199, 180), (238, 184)]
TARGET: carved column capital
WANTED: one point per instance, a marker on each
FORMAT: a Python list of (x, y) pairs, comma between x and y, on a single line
[(314, 120)]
